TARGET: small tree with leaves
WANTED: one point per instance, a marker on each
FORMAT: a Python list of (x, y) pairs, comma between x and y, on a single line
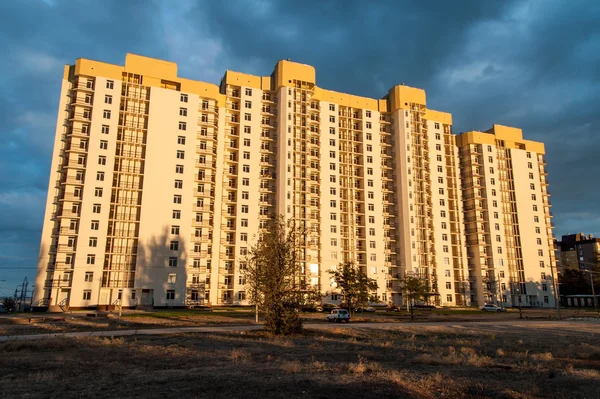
[(414, 289), (355, 286), (274, 279)]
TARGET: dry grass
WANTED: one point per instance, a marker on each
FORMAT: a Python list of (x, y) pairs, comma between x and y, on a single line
[(415, 362)]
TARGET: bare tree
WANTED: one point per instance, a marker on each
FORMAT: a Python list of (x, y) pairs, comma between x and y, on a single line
[(275, 279)]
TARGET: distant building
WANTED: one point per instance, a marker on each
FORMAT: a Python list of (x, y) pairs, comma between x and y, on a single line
[(577, 251)]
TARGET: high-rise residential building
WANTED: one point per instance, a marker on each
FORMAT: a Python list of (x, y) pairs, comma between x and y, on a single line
[(160, 185), (507, 218), (578, 252)]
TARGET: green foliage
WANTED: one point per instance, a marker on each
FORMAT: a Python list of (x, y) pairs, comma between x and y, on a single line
[(415, 289), (354, 285), (274, 279)]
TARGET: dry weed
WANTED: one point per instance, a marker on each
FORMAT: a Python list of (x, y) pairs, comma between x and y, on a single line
[(361, 367), (317, 365), (293, 366), (239, 355), (546, 356), (500, 352)]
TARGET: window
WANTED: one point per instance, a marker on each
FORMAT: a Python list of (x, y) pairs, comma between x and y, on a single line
[(244, 222), (369, 159), (372, 244), (331, 118), (542, 264), (438, 136), (370, 171), (246, 155), (370, 195), (438, 147), (248, 92), (110, 84), (495, 215), (444, 225), (101, 160), (540, 252), (529, 165), (247, 142), (245, 181), (107, 99), (93, 242), (371, 219), (368, 125), (436, 125), (448, 285), (334, 242), (371, 207), (178, 183), (332, 216), (103, 145), (98, 192), (247, 117), (176, 214), (106, 114), (445, 248), (171, 278), (171, 293), (331, 107), (177, 199), (536, 219), (244, 208), (248, 104), (172, 261), (174, 246), (332, 179), (243, 250), (246, 168), (183, 98), (537, 230), (444, 237), (96, 208), (245, 195), (528, 154), (105, 129), (539, 241), (368, 114), (180, 154), (95, 225), (371, 232), (179, 169), (174, 230), (87, 295), (443, 213)]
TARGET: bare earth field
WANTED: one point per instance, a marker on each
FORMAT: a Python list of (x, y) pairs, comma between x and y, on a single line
[(535, 359), (43, 323)]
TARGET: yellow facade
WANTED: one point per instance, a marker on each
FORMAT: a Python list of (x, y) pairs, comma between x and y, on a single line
[(181, 176)]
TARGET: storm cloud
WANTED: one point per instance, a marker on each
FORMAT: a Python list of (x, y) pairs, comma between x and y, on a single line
[(530, 64)]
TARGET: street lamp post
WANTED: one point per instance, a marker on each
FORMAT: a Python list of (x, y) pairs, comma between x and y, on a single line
[(593, 290), (555, 289), (519, 299)]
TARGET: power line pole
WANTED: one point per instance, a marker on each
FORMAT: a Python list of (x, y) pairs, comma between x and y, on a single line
[(555, 289)]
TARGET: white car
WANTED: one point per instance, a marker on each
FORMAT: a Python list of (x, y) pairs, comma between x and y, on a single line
[(491, 308), (338, 315)]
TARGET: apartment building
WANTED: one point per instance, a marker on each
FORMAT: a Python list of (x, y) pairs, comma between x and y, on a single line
[(577, 252), (160, 185), (507, 218)]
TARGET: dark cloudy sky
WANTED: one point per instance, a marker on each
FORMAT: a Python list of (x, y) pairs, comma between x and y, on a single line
[(531, 64)]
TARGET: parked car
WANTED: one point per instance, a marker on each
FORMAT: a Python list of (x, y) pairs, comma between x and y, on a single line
[(492, 308), (367, 309), (338, 315), (392, 308)]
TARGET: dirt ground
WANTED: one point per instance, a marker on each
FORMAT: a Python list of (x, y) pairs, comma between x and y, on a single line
[(40, 323), (413, 361)]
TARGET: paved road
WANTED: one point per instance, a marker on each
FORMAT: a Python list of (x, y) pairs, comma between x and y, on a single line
[(562, 327)]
